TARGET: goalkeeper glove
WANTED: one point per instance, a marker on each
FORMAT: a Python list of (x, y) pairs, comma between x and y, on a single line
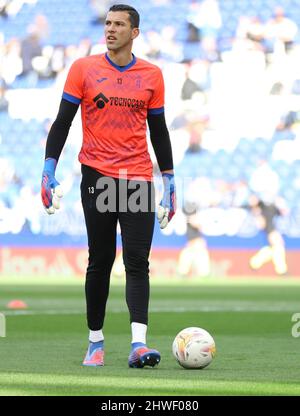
[(167, 206), (51, 191)]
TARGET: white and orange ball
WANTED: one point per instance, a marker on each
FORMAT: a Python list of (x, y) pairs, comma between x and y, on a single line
[(194, 348)]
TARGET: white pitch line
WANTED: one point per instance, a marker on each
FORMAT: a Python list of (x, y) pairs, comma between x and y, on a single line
[(155, 310)]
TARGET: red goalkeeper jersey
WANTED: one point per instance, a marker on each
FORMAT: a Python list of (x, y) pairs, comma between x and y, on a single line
[(115, 102)]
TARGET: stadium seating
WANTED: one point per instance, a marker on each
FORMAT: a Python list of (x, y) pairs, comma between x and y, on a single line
[(22, 141)]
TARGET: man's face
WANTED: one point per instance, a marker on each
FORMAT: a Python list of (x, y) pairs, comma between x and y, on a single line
[(118, 30)]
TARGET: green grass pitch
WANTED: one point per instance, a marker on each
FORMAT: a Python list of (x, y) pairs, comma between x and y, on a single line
[(251, 322)]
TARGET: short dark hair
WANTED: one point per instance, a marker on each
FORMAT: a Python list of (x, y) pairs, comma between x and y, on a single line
[(134, 17)]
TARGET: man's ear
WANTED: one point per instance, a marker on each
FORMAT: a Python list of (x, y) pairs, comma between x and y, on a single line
[(135, 33)]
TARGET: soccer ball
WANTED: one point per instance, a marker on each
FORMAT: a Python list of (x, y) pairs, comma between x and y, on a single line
[(194, 348)]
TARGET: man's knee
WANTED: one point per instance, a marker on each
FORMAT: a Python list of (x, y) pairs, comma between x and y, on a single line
[(136, 261), (101, 261)]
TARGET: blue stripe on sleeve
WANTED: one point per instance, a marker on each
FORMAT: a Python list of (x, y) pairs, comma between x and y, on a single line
[(156, 110), (71, 98)]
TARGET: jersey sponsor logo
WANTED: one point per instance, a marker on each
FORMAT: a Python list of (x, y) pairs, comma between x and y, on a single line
[(101, 100), (127, 102)]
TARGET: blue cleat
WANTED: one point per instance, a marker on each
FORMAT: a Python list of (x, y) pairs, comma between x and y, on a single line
[(142, 356)]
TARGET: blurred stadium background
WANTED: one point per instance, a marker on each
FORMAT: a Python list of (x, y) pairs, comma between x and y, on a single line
[(232, 74)]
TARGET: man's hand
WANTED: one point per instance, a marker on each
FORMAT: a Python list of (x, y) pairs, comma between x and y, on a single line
[(51, 191), (167, 206)]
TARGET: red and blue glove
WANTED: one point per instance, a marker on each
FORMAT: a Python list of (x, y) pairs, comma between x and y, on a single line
[(51, 191), (167, 206)]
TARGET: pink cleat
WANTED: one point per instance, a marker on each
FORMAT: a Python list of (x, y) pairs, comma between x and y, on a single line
[(94, 356)]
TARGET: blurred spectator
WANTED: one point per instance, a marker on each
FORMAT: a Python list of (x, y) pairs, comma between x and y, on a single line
[(194, 32), (154, 44), (3, 99), (71, 53), (196, 126), (10, 61), (240, 193), (266, 205), (194, 257), (289, 120), (10, 184), (264, 182), (189, 86), (40, 27), (256, 31), (50, 63), (31, 48), (204, 20), (281, 31), (100, 8), (170, 49), (13, 7), (3, 7), (84, 47), (265, 214), (277, 88), (251, 29), (57, 61)]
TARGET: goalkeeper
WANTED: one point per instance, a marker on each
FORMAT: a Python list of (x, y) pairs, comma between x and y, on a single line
[(118, 93)]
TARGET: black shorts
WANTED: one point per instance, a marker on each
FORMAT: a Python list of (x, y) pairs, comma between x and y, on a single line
[(269, 213), (192, 233)]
